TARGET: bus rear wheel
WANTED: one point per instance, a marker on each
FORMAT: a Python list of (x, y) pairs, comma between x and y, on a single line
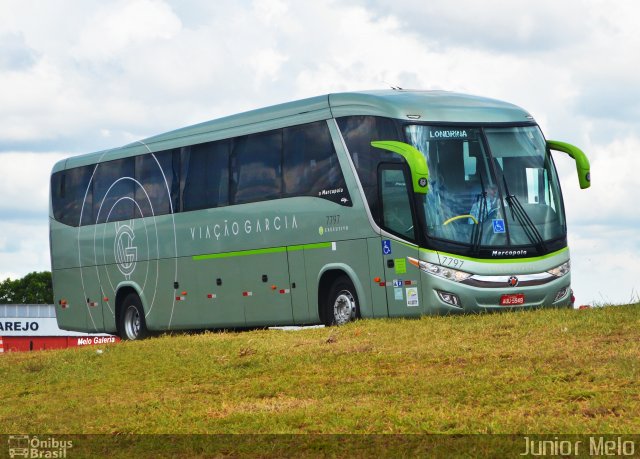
[(132, 324), (342, 303)]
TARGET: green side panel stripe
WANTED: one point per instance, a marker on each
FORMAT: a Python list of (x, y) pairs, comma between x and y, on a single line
[(320, 245), (241, 253), (244, 253)]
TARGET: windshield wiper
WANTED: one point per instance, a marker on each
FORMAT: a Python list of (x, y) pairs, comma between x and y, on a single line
[(518, 213), (476, 234)]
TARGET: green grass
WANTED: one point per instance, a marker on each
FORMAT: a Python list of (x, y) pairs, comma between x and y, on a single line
[(546, 371)]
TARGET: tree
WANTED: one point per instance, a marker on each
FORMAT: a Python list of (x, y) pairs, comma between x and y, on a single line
[(34, 288)]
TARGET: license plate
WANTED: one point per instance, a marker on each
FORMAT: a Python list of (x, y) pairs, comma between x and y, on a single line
[(513, 299)]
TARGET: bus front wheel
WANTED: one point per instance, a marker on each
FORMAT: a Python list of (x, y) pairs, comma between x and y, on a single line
[(132, 323), (342, 303)]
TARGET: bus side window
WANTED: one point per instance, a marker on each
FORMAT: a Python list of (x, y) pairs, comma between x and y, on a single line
[(205, 172), (358, 133), (257, 168), (113, 191), (310, 164), (154, 171), (68, 190)]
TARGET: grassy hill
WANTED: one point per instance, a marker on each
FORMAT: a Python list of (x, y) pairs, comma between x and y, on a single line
[(546, 371)]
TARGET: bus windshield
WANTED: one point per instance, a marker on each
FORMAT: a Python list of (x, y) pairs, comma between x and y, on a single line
[(489, 187)]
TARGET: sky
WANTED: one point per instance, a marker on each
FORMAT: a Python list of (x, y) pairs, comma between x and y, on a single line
[(84, 75)]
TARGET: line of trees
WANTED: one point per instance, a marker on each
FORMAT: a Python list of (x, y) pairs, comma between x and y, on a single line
[(34, 288)]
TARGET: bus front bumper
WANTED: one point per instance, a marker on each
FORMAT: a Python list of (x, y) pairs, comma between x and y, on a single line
[(446, 297)]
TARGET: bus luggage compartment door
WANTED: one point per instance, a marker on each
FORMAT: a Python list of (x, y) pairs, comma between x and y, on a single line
[(71, 306), (93, 299), (219, 304), (265, 288)]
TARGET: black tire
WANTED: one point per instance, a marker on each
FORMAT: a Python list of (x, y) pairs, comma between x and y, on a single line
[(132, 324), (342, 304)]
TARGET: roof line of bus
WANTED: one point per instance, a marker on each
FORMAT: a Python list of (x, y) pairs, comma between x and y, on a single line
[(425, 105), (429, 105)]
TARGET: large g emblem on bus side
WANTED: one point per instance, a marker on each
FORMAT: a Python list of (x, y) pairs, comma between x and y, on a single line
[(124, 252), (123, 238)]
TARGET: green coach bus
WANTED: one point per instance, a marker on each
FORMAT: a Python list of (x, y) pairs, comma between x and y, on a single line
[(366, 204)]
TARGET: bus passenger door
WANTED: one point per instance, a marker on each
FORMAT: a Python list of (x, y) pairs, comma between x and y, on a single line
[(402, 279), (378, 277)]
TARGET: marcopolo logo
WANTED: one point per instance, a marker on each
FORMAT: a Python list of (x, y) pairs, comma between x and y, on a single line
[(38, 447), (508, 253)]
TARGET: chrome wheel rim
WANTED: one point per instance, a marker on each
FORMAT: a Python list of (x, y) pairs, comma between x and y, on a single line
[(132, 322), (344, 307)]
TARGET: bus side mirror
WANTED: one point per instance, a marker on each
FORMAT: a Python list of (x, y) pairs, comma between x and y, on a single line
[(582, 162), (415, 159)]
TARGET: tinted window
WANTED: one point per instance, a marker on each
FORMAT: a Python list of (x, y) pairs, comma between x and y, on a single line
[(205, 171), (296, 161), (358, 133), (68, 189), (256, 167), (396, 205), (157, 173), (310, 164), (113, 191)]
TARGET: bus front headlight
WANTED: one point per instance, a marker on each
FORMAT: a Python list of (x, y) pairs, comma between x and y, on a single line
[(561, 270), (440, 271)]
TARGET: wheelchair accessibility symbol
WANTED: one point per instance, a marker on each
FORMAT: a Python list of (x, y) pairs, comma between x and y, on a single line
[(386, 247), (498, 226)]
